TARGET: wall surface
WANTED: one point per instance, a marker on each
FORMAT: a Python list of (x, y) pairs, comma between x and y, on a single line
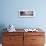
[(9, 13)]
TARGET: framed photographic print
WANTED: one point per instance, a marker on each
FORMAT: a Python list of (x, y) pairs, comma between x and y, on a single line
[(26, 13)]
